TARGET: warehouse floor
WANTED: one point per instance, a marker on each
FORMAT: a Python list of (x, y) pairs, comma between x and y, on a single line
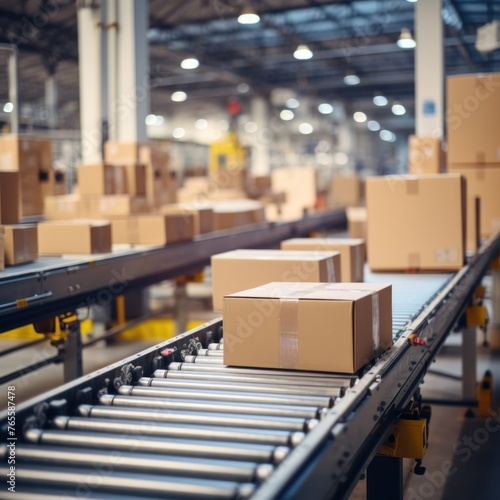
[(464, 453)]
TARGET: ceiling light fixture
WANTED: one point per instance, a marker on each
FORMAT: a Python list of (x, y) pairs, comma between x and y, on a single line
[(406, 40), (190, 63), (201, 123), (380, 100), (292, 103), (248, 16), (351, 79), (387, 135), (325, 109), (8, 107), (302, 52), (398, 109), (178, 133), (243, 88), (373, 125), (179, 96), (306, 128), (359, 117), (286, 115)]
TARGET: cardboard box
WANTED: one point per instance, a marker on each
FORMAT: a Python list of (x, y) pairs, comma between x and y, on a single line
[(101, 207), (352, 253), (298, 183), (135, 174), (19, 153), (59, 182), (9, 197), (203, 215), (101, 179), (242, 269), (154, 159), (485, 184), (306, 326), (74, 237), (21, 244), (2, 252), (357, 222), (153, 229), (473, 108), (230, 179), (345, 191), (416, 222), (64, 207), (235, 213), (425, 155)]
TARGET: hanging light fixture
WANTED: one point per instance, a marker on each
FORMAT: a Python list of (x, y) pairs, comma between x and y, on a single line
[(248, 16), (406, 40), (351, 79), (190, 63), (302, 52)]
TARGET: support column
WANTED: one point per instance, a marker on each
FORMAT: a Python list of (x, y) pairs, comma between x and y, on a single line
[(15, 115), (260, 148), (112, 66), (51, 98), (131, 103), (89, 66), (429, 69)]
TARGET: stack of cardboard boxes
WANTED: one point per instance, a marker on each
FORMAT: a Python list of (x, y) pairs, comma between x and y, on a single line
[(18, 243), (31, 157), (473, 110)]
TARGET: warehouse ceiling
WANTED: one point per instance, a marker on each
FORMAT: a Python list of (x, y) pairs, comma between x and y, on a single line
[(345, 37)]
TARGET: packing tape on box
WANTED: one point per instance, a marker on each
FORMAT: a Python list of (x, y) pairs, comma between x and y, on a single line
[(289, 333), (358, 263), (412, 186), (330, 270)]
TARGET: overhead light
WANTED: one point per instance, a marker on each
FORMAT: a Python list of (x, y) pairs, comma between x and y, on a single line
[(302, 52), (248, 16), (243, 88), (178, 133), (201, 124), (8, 107), (406, 40), (341, 158), (412, 1), (286, 115), (398, 109), (250, 127), (150, 119), (351, 79), (292, 103), (179, 96), (380, 100), (325, 109), (306, 128), (373, 125), (387, 135), (359, 117), (159, 120), (190, 63)]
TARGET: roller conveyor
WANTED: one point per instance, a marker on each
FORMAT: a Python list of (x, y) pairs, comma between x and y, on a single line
[(186, 426)]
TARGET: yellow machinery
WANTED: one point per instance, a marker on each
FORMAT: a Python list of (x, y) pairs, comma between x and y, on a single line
[(409, 436), (226, 154)]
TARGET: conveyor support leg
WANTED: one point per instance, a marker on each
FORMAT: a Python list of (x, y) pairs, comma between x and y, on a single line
[(73, 365), (384, 478), (469, 363), (181, 307)]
